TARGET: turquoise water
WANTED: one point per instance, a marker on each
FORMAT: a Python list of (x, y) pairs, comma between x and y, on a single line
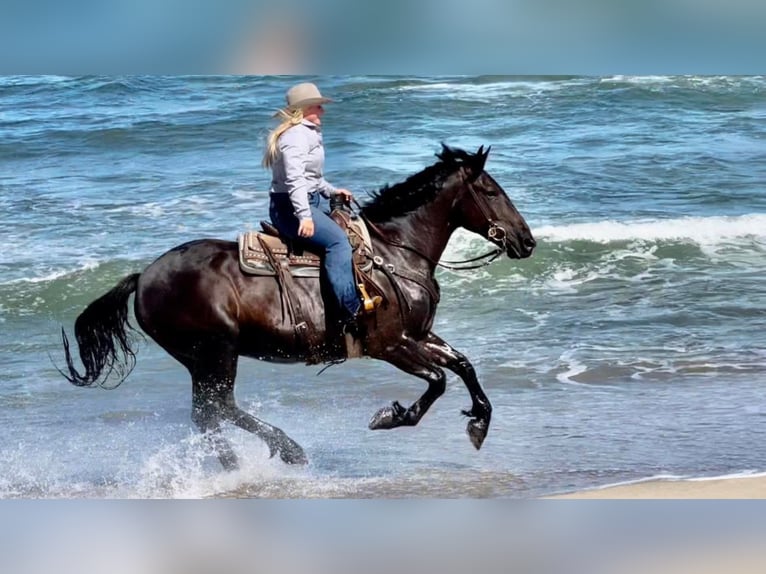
[(632, 343)]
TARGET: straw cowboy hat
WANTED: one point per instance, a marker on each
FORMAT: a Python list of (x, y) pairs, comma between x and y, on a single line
[(304, 95)]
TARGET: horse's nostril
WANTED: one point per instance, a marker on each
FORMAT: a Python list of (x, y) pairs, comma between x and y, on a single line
[(529, 242)]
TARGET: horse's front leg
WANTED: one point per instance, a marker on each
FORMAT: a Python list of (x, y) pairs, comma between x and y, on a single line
[(481, 409), (411, 357)]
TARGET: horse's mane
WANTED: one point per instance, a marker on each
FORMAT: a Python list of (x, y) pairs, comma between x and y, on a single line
[(401, 198)]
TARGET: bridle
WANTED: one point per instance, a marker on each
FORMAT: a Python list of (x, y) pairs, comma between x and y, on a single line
[(495, 233)]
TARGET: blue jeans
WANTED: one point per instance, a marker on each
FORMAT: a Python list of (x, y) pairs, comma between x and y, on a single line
[(328, 239)]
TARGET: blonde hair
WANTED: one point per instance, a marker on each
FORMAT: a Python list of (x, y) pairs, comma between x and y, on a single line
[(289, 119)]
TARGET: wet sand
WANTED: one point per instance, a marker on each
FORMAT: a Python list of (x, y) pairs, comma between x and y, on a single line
[(746, 487)]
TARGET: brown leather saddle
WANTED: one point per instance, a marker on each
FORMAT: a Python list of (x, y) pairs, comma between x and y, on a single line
[(265, 253), (258, 250)]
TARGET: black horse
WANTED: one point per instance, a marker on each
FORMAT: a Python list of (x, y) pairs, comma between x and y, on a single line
[(196, 303)]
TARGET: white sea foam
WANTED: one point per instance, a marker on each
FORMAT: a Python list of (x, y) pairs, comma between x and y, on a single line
[(700, 82), (464, 244), (700, 230), (573, 368), (51, 274), (249, 194), (32, 80), (189, 470), (679, 477), (485, 92), (743, 474), (639, 80)]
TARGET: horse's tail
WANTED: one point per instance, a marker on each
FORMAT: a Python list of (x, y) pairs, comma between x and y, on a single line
[(103, 336)]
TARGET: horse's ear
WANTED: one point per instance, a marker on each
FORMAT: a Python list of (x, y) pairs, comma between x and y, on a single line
[(447, 154), (480, 159)]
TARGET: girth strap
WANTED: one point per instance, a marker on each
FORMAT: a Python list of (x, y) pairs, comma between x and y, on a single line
[(304, 329)]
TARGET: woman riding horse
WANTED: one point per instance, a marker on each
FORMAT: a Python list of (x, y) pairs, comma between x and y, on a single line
[(197, 304)]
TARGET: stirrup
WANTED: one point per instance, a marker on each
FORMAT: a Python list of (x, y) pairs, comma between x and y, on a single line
[(369, 304)]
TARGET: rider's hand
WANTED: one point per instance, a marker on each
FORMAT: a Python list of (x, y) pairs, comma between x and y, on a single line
[(347, 195), (306, 228)]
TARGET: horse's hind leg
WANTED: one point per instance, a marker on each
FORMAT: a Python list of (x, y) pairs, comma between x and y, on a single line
[(276, 439), (213, 375), (209, 422), (413, 358), (481, 409)]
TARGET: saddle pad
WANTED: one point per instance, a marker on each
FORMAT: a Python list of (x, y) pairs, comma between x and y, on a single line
[(254, 261)]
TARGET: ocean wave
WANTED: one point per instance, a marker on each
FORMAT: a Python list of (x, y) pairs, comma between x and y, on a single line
[(652, 254), (610, 365), (631, 241), (124, 85), (32, 80), (700, 230), (638, 80), (50, 274), (162, 130), (646, 255), (702, 82), (486, 91), (62, 290)]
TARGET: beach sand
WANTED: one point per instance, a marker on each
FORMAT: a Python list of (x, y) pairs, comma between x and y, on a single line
[(746, 487), (704, 538)]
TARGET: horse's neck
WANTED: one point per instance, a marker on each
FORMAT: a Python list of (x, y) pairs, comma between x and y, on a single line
[(422, 232)]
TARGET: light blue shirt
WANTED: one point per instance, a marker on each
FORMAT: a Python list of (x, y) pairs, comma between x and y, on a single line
[(298, 168)]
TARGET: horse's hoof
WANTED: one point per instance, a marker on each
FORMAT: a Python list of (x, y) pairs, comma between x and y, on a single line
[(292, 453), (229, 462), (477, 432), (293, 457), (289, 451), (388, 417)]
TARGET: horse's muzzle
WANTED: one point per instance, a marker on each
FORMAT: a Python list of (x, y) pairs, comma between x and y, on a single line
[(521, 246), (528, 244)]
